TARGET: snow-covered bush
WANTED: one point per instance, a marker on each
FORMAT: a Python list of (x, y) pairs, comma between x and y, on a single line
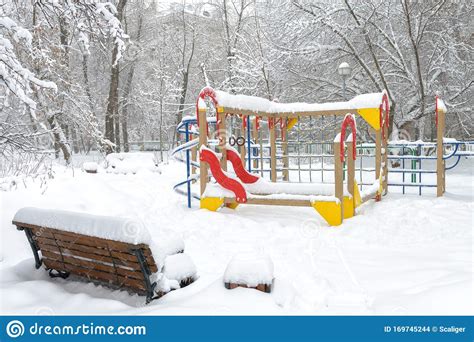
[(131, 163)]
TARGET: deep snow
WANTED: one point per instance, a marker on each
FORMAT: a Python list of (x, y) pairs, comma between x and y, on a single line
[(405, 255)]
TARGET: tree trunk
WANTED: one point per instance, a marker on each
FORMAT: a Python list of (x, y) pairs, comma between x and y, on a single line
[(59, 142), (128, 90), (117, 130), (112, 102), (184, 86), (417, 61)]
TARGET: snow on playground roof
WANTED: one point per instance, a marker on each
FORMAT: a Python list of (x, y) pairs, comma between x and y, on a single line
[(258, 104)]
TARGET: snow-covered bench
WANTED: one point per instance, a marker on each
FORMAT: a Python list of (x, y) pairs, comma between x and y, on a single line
[(116, 252)]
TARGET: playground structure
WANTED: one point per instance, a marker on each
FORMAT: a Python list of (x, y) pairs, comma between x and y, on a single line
[(241, 120), (334, 201)]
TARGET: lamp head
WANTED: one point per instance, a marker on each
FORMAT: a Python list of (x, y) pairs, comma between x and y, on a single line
[(344, 70)]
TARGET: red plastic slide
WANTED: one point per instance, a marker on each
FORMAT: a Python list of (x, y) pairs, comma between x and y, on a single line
[(211, 158), (239, 168)]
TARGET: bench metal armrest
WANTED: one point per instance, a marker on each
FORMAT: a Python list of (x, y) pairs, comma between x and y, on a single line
[(150, 287), (33, 245)]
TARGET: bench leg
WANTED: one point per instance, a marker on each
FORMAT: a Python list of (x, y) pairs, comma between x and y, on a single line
[(150, 288), (33, 245), (58, 274)]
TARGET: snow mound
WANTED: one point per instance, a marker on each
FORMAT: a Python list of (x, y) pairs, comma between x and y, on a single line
[(170, 245), (105, 227), (90, 167), (179, 267), (249, 269), (132, 162), (167, 243)]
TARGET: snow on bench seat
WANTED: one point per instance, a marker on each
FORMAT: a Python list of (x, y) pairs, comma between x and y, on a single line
[(249, 270), (105, 227)]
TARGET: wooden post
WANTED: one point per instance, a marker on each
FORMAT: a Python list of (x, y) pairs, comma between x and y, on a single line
[(273, 173), (222, 136), (338, 175), (284, 140), (350, 166), (203, 173), (193, 158), (440, 162), (242, 148), (378, 152), (255, 140), (384, 151), (262, 161)]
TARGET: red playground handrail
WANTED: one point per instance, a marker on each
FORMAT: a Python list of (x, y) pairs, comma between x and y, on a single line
[(348, 120), (226, 182), (206, 92)]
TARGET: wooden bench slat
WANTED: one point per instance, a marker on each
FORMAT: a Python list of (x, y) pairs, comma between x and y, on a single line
[(125, 258), (88, 240), (72, 245), (96, 275), (93, 264), (78, 253)]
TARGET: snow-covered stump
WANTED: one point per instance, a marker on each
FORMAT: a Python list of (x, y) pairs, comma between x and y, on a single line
[(90, 167), (254, 271)]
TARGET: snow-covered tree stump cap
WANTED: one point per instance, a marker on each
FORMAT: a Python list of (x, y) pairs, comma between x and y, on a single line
[(90, 167), (250, 269)]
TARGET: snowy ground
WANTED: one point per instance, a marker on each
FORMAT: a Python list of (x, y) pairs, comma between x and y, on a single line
[(404, 255)]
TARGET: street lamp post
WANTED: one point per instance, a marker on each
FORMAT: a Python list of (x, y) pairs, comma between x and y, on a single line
[(344, 70)]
